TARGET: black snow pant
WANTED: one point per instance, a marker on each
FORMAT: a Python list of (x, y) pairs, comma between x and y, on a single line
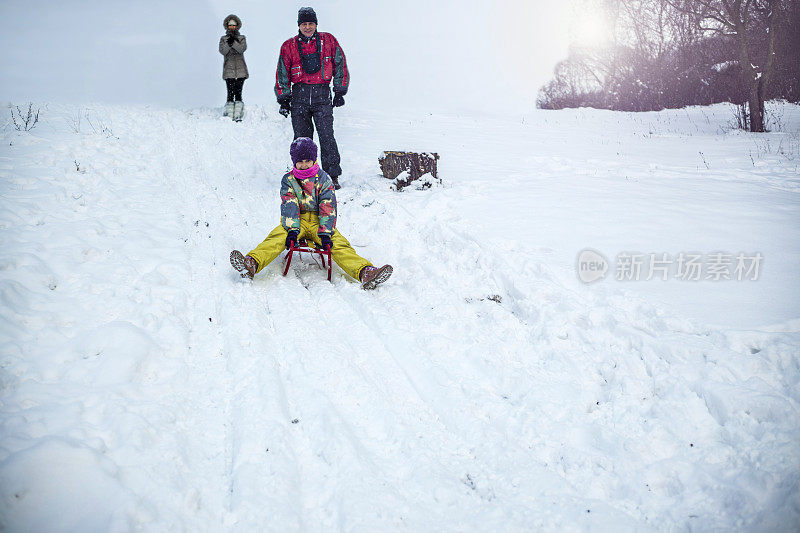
[(234, 89), (313, 101)]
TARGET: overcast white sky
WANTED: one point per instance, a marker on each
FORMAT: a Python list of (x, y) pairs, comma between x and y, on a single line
[(439, 53)]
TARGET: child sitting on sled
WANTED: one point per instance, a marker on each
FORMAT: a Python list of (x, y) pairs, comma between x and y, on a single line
[(308, 211)]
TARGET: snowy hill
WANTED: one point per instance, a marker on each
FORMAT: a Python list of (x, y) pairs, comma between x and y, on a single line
[(484, 387)]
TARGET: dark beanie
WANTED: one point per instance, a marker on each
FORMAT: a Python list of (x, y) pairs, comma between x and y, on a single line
[(306, 14), (303, 149)]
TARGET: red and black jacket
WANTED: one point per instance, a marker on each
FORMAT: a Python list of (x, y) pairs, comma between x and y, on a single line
[(333, 65)]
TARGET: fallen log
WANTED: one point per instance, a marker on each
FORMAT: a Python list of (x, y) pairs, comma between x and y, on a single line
[(407, 167)]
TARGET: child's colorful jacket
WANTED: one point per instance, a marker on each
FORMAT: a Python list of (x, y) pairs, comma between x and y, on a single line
[(314, 194)]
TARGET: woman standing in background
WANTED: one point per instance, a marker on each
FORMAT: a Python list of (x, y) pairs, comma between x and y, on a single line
[(234, 70)]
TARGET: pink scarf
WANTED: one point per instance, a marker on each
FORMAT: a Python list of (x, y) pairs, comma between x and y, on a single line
[(307, 173)]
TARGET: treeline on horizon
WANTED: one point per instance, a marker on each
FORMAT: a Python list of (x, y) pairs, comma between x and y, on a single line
[(674, 53)]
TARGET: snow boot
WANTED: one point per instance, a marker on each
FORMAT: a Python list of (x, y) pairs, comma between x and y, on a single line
[(228, 109), (335, 180), (245, 264), (371, 277), (238, 111)]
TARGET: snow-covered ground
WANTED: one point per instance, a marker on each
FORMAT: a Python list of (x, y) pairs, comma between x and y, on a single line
[(484, 387)]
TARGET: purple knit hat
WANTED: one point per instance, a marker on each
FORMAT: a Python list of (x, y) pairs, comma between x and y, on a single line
[(303, 148)]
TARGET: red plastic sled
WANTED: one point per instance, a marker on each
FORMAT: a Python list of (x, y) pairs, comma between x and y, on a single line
[(303, 246)]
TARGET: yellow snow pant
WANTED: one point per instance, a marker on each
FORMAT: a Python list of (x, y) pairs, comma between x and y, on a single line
[(342, 253)]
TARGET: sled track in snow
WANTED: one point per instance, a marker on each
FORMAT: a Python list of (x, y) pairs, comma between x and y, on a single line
[(330, 392)]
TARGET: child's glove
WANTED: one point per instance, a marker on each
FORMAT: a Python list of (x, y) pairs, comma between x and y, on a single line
[(291, 239), (338, 100), (326, 242), (285, 109)]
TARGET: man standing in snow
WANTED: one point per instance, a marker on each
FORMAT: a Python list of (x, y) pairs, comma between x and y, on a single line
[(306, 65)]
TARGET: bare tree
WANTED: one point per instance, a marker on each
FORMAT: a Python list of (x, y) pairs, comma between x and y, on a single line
[(673, 53), (577, 82), (635, 70), (754, 25), (25, 121)]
